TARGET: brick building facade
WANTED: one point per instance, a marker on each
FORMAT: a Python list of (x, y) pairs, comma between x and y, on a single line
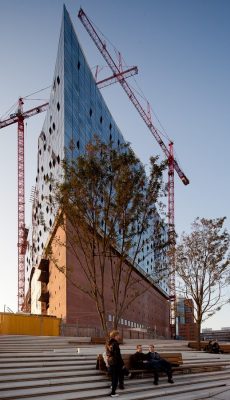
[(186, 328), (62, 297)]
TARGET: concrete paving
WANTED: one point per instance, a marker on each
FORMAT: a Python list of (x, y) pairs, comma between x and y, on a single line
[(41, 368)]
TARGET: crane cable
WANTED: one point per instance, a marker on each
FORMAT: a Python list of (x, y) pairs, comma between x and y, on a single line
[(38, 91), (25, 97), (139, 91)]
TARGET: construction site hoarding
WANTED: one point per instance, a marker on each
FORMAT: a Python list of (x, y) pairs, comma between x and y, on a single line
[(29, 324)]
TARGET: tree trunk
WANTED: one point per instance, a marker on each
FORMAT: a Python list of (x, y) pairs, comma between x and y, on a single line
[(198, 333)]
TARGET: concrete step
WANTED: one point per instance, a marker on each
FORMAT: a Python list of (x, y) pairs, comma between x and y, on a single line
[(58, 372), (50, 357), (51, 374), (17, 371), (140, 391), (58, 380), (53, 363)]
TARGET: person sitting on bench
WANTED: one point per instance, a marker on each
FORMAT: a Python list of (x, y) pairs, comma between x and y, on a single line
[(216, 348), (208, 347), (139, 361), (159, 364)]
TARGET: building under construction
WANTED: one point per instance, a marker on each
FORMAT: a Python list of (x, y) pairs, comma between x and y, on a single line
[(76, 111)]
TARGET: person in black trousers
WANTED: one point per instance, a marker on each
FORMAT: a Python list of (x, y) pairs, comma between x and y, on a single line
[(139, 360), (115, 362), (159, 364)]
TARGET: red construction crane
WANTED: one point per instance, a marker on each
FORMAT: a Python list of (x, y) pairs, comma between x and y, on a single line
[(113, 79), (18, 118), (145, 115)]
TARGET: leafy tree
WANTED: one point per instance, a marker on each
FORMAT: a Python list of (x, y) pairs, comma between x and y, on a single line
[(203, 264), (108, 207)]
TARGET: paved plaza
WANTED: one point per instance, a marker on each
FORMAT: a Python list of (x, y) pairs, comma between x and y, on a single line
[(62, 368)]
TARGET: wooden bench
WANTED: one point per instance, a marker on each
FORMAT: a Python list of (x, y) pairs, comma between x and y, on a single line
[(102, 340), (224, 347), (174, 358), (194, 345)]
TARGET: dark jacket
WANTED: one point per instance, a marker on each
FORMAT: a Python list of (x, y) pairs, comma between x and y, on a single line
[(153, 356), (114, 354), (138, 360), (215, 348)]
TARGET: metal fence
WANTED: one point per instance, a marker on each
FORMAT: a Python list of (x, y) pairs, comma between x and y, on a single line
[(79, 331)]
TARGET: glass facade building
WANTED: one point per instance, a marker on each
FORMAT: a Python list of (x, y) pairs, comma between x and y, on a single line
[(77, 111)]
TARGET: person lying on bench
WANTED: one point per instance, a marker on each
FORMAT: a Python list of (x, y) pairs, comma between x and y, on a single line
[(159, 364), (139, 361)]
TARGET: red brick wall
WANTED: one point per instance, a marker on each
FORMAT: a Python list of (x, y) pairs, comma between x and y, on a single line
[(150, 309), (188, 331)]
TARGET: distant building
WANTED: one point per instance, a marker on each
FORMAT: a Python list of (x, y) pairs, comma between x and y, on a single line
[(186, 328), (221, 335), (76, 112)]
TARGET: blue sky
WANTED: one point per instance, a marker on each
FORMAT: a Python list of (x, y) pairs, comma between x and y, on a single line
[(181, 48)]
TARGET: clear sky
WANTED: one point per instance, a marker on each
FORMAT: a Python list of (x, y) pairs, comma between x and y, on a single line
[(181, 48)]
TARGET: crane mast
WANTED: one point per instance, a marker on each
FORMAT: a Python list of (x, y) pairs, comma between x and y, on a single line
[(172, 163), (22, 231)]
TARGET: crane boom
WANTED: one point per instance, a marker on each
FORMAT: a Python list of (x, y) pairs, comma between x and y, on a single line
[(18, 118), (115, 69), (112, 79), (26, 114)]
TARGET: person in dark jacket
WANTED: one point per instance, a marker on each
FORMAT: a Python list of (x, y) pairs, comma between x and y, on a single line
[(140, 360), (159, 363), (216, 348), (208, 347), (115, 362)]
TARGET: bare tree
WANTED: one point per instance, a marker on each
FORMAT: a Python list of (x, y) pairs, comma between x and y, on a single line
[(203, 264), (108, 209)]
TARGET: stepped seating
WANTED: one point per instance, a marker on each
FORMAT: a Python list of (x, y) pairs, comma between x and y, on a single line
[(101, 340), (59, 372), (224, 347)]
